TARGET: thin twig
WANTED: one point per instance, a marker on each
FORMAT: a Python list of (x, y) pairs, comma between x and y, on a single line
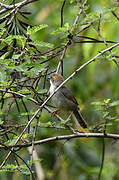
[(17, 5), (80, 12), (32, 147), (62, 8), (32, 100), (99, 33), (115, 15), (103, 157), (61, 61)]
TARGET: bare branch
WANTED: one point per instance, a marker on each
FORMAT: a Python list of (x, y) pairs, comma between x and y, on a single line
[(80, 12), (14, 6), (62, 8), (61, 61), (103, 157), (66, 137)]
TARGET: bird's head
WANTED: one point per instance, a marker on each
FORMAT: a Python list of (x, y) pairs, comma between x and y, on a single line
[(56, 79)]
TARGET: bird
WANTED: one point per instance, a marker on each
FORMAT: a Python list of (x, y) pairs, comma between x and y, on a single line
[(64, 99)]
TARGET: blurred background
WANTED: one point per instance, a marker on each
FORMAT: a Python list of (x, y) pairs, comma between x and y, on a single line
[(77, 159)]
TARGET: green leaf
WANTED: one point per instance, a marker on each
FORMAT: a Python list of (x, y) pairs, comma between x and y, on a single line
[(91, 18), (42, 91), (24, 91), (105, 114), (11, 142), (108, 10), (116, 120), (3, 56), (18, 68), (25, 170), (9, 167), (42, 44), (97, 103), (106, 101), (115, 103), (66, 28), (72, 1), (11, 37), (33, 161), (1, 122), (16, 56), (3, 30), (36, 28)]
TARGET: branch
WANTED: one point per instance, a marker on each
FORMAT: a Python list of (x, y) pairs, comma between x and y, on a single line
[(14, 153), (62, 12), (66, 137), (17, 5), (60, 64), (39, 170), (105, 42), (80, 12), (103, 157), (32, 100), (20, 137), (44, 103), (77, 70)]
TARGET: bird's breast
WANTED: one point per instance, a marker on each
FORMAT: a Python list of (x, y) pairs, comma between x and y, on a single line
[(52, 89)]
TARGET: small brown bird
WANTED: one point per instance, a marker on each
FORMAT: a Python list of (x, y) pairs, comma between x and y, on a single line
[(64, 99)]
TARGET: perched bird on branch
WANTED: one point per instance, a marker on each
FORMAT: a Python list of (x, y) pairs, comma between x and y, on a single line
[(65, 100)]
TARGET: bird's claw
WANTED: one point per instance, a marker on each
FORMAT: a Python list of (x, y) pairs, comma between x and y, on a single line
[(55, 112)]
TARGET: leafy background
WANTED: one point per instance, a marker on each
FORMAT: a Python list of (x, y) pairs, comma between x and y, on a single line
[(24, 66)]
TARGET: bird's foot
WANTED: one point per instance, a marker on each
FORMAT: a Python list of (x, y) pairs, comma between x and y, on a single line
[(55, 112)]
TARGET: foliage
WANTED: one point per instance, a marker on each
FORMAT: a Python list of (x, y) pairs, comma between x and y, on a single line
[(34, 37)]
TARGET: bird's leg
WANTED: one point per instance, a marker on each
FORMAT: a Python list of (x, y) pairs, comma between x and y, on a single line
[(55, 112)]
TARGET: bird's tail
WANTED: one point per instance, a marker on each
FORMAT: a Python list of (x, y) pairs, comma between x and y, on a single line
[(79, 119), (80, 124)]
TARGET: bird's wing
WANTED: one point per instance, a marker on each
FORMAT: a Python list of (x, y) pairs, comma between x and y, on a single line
[(68, 94)]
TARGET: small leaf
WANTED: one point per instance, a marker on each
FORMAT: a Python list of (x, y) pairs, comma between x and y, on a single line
[(65, 29), (16, 56), (12, 37), (97, 103), (24, 136), (42, 91), (106, 101), (42, 44), (72, 1), (115, 103), (36, 28), (24, 91), (11, 142), (105, 114), (1, 122)]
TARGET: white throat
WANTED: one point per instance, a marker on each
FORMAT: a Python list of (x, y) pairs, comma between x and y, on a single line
[(52, 87)]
